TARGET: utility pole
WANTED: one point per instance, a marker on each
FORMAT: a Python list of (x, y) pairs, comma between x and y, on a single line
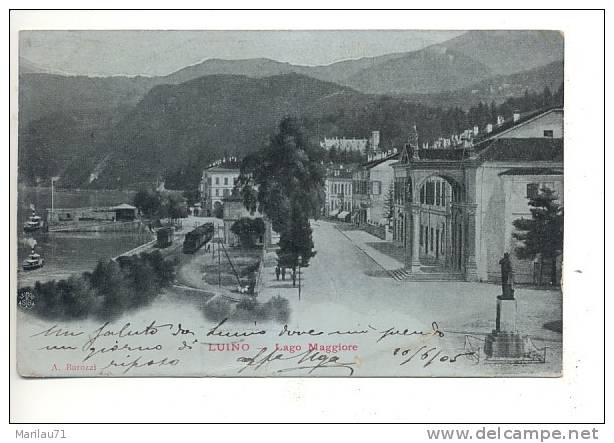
[(219, 263), (300, 258), (52, 180)]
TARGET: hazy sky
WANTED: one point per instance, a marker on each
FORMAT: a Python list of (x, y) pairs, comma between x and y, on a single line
[(162, 52)]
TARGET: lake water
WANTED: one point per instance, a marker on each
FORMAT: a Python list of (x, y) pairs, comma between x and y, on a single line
[(70, 253)]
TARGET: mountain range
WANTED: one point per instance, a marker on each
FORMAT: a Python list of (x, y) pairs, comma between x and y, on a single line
[(68, 124)]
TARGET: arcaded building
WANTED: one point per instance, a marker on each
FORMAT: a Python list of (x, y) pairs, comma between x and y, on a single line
[(454, 208)]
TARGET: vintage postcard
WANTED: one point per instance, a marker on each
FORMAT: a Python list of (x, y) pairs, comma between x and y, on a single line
[(290, 203)]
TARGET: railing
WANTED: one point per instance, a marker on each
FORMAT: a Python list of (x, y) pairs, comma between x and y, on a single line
[(258, 283)]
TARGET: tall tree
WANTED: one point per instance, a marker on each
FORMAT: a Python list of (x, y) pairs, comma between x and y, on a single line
[(389, 204), (284, 181), (542, 234)]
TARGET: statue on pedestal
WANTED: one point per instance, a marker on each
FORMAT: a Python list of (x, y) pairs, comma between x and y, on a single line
[(507, 277)]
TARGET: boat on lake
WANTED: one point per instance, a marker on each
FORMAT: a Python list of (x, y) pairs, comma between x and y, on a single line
[(34, 223), (34, 261)]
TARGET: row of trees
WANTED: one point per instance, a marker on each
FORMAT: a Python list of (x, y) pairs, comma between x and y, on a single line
[(111, 289), (160, 204), (285, 182)]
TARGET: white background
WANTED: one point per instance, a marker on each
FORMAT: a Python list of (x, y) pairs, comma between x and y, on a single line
[(576, 397)]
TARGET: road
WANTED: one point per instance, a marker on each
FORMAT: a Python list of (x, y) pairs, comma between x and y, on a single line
[(344, 288)]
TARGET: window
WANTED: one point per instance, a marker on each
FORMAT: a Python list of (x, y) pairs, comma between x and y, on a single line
[(548, 133), (422, 195), (217, 180), (438, 193), (209, 181), (421, 235), (226, 181), (226, 192), (376, 187), (532, 190), (430, 193), (217, 192)]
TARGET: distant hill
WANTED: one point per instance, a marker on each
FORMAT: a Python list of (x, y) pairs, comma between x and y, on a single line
[(28, 67), (429, 70), (197, 121), (43, 94), (190, 124), (497, 88), (507, 52)]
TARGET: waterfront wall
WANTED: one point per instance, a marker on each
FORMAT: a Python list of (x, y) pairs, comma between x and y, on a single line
[(129, 226)]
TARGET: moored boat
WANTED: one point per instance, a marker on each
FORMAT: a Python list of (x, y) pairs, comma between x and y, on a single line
[(34, 261), (34, 223)]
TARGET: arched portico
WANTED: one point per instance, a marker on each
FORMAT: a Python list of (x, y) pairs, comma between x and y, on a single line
[(440, 217)]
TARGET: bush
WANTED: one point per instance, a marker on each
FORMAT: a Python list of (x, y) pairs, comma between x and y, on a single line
[(248, 230), (217, 309), (107, 292), (278, 309), (249, 310)]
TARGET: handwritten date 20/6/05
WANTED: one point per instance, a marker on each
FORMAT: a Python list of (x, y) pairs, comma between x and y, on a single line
[(432, 355)]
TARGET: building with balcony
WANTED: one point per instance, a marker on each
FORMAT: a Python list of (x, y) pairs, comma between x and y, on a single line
[(338, 193), (370, 184), (216, 183)]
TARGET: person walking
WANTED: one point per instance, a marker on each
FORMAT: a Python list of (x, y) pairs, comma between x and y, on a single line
[(277, 272), (283, 273)]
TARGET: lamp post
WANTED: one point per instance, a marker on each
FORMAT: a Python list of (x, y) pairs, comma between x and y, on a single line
[(300, 259)]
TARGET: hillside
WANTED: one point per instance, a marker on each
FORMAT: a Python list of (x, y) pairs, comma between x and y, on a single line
[(42, 94), (424, 71), (195, 122), (183, 127), (508, 52), (497, 88)]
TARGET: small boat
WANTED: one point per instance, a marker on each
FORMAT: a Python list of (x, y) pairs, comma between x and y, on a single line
[(34, 261), (34, 223)]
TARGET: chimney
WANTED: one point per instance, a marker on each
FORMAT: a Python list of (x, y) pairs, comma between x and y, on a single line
[(476, 130), (500, 120), (489, 128), (516, 116)]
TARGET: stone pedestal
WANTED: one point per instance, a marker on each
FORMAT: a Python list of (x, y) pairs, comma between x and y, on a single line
[(505, 341), (507, 309)]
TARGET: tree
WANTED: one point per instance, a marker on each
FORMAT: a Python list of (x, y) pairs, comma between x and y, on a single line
[(284, 181), (389, 204), (218, 210), (191, 196), (296, 243), (148, 202), (542, 234), (248, 229), (173, 206)]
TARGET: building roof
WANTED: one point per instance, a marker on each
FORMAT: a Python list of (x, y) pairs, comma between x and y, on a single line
[(510, 124), (523, 149), (379, 161), (532, 171), (223, 169), (123, 206), (443, 154)]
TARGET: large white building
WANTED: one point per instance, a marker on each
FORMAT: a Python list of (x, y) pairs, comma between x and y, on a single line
[(352, 144), (338, 192), (216, 183)]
